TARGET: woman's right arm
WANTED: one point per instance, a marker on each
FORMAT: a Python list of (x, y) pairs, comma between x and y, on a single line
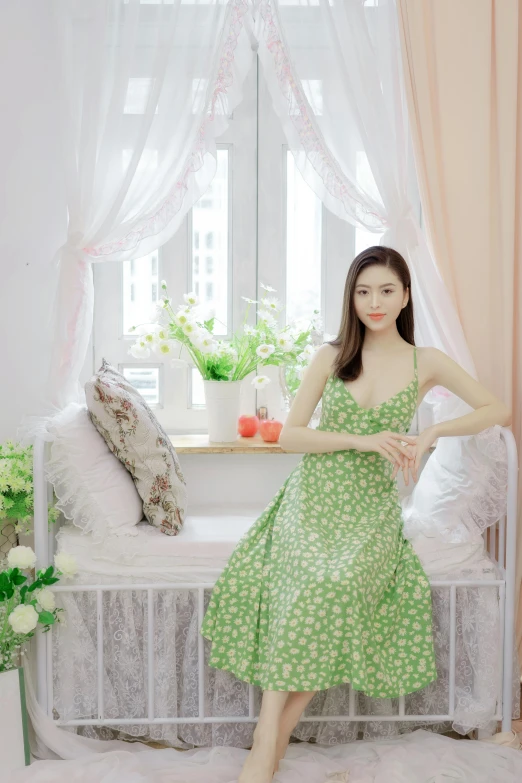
[(296, 435)]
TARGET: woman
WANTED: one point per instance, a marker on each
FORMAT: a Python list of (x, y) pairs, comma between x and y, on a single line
[(324, 588)]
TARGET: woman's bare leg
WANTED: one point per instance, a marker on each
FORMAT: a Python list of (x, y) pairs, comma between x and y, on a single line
[(293, 709), (259, 766)]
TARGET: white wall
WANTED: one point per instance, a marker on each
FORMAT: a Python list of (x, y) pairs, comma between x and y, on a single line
[(32, 204)]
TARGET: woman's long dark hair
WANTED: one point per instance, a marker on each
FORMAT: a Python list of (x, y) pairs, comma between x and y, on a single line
[(348, 363)]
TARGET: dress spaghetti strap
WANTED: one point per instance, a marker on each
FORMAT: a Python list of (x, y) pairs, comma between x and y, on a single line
[(415, 359)]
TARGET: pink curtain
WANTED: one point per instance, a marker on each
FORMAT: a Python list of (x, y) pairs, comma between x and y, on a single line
[(463, 74)]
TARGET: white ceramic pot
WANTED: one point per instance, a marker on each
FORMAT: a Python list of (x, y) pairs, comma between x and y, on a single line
[(14, 739), (222, 402)]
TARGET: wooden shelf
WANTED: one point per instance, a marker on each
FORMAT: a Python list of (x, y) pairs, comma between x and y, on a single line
[(198, 443)]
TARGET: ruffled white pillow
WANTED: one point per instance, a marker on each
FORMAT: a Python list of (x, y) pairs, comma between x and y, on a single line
[(94, 490)]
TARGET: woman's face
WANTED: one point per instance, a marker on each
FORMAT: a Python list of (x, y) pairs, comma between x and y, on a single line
[(378, 290)]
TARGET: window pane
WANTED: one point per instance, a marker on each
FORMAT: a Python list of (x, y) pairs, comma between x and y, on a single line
[(198, 390), (146, 381), (303, 245), (210, 222), (140, 290)]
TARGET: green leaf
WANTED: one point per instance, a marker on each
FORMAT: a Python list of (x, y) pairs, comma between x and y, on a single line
[(19, 579), (23, 591), (49, 572), (2, 595), (52, 581), (9, 592), (46, 618), (35, 585)]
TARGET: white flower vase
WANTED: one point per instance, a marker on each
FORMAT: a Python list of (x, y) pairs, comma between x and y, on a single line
[(14, 737), (222, 403)]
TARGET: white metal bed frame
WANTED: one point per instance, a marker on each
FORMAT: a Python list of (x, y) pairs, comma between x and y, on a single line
[(504, 555)]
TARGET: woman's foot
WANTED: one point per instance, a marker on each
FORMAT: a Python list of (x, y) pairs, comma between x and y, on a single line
[(259, 765)]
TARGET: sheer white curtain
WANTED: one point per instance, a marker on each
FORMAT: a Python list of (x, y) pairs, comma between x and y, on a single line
[(335, 78), (147, 87)]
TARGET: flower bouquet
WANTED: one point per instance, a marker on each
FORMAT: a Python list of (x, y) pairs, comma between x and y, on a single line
[(16, 489), (25, 602), (223, 364)]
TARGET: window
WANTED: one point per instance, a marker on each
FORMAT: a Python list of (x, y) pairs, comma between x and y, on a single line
[(210, 219), (257, 223)]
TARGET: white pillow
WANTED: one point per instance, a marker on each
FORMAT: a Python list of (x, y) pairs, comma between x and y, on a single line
[(94, 490), (460, 492)]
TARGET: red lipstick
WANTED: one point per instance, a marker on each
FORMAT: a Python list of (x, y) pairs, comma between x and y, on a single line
[(377, 316)]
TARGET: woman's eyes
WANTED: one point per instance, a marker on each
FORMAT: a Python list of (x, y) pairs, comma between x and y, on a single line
[(386, 290)]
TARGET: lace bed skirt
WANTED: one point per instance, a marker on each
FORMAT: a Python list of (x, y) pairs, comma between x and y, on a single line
[(478, 651)]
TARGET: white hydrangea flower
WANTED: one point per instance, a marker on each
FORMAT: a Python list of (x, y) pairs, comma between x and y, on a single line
[(46, 599), (23, 619), (191, 298), (140, 350), (284, 342), (265, 350), (259, 381), (21, 557), (66, 563)]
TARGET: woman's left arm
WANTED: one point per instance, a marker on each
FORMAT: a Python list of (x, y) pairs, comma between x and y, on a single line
[(441, 370), (489, 410)]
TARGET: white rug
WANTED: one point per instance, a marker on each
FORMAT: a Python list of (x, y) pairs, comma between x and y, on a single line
[(419, 757)]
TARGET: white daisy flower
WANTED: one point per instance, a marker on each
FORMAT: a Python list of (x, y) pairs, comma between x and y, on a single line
[(284, 342), (248, 329), (272, 304), (259, 381), (160, 335), (140, 350), (163, 347), (266, 317), (267, 287), (265, 350), (165, 301), (250, 301), (191, 329), (182, 318), (191, 298), (205, 344), (309, 350), (164, 284)]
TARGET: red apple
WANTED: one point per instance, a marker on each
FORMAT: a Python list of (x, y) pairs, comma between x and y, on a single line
[(247, 426), (270, 430)]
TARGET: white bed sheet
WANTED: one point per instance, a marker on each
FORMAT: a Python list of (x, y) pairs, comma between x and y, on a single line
[(198, 553)]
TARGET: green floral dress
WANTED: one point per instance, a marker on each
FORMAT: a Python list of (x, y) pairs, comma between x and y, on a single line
[(323, 588)]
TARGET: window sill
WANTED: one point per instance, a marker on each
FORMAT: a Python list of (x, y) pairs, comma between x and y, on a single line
[(198, 443)]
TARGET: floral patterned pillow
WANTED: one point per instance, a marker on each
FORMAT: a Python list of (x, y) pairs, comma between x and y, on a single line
[(134, 435)]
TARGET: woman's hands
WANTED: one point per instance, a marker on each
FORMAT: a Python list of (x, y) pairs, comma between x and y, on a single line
[(393, 446), (417, 445), (403, 451)]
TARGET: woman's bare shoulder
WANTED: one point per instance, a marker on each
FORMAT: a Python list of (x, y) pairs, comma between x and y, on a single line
[(325, 357)]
